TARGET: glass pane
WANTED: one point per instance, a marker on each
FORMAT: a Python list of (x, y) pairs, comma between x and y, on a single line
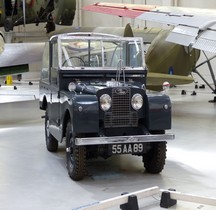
[(76, 53), (113, 53)]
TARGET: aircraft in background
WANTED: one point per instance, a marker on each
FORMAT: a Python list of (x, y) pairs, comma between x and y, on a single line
[(195, 29), (18, 12), (165, 53), (165, 61)]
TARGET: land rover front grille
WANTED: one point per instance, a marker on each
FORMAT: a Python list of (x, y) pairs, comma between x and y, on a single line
[(121, 113)]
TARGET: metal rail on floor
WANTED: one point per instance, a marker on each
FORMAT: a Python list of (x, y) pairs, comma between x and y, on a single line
[(129, 201)]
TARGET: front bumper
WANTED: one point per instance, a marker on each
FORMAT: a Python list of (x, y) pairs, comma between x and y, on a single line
[(123, 139)]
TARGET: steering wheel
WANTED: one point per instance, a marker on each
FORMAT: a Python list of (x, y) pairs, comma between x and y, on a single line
[(74, 57)]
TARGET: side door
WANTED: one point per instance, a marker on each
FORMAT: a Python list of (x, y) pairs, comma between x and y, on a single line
[(54, 105)]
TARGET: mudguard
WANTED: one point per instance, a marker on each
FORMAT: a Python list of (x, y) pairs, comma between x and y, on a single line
[(158, 110), (85, 114)]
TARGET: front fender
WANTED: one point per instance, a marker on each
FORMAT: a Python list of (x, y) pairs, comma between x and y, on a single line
[(85, 114), (158, 111)]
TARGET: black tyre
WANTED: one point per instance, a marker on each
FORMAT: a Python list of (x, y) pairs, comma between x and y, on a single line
[(75, 156), (154, 159), (51, 142)]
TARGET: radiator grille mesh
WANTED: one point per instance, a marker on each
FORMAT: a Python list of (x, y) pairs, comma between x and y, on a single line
[(121, 114)]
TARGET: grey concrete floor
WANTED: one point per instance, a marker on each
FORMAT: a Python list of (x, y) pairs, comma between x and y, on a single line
[(33, 178)]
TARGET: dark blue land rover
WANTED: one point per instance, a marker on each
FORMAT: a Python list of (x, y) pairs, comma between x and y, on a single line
[(92, 88)]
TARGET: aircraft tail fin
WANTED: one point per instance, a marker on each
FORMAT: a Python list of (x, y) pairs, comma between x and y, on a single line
[(128, 32)]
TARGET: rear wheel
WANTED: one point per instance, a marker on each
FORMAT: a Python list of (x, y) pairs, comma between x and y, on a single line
[(154, 159), (51, 142), (75, 156)]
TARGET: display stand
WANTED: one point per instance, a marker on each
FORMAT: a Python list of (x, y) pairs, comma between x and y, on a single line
[(129, 201)]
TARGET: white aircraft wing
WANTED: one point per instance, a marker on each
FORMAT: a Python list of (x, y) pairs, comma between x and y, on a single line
[(16, 57), (193, 27), (15, 54)]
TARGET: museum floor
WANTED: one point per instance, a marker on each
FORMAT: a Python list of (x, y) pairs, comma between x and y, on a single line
[(33, 178)]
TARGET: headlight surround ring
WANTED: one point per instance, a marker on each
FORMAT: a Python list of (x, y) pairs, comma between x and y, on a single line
[(137, 101), (105, 102), (71, 86)]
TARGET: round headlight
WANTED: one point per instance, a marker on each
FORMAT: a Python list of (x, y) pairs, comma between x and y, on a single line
[(71, 86), (105, 102), (137, 101)]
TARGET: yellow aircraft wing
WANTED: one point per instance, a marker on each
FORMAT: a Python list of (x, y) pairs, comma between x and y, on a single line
[(155, 80), (193, 27)]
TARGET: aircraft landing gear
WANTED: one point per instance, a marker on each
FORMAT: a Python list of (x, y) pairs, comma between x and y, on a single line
[(213, 101), (50, 26), (8, 24), (207, 61)]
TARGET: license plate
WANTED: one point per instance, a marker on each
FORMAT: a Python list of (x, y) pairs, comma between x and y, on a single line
[(127, 148)]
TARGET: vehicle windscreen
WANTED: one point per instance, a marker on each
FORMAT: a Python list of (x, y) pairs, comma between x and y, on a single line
[(101, 53)]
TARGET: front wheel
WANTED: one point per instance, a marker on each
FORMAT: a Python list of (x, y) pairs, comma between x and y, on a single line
[(154, 159), (75, 156), (51, 142)]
